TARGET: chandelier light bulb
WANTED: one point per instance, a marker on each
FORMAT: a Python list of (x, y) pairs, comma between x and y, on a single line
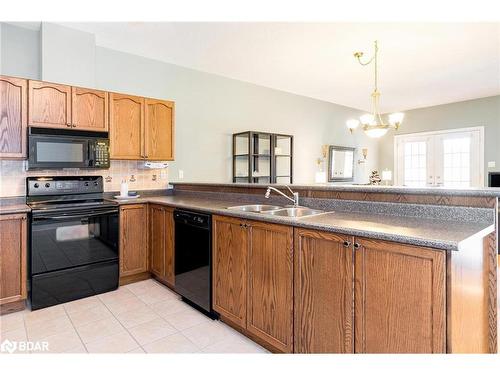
[(352, 124), (396, 118)]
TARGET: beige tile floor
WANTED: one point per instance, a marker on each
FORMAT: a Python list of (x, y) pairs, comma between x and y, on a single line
[(144, 317)]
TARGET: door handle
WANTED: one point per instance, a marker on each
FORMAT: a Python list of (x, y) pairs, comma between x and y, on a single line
[(83, 216)]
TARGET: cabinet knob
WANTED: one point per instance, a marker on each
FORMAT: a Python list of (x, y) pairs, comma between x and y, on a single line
[(357, 245), (347, 244), (68, 125)]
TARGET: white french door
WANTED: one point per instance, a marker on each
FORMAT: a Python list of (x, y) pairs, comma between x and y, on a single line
[(451, 158)]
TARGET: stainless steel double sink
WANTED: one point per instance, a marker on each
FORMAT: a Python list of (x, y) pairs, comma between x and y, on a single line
[(266, 209)]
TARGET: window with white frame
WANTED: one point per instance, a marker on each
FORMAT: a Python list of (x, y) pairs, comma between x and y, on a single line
[(451, 158)]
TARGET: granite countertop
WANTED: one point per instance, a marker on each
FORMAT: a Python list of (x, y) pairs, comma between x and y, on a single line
[(473, 192), (13, 206), (435, 233)]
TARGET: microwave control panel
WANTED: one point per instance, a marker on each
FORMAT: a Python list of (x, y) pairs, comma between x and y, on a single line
[(101, 157)]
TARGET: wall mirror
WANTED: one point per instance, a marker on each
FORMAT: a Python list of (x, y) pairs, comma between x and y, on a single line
[(340, 163)]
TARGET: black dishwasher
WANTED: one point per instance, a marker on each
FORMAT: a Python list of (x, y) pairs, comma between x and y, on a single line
[(193, 259)]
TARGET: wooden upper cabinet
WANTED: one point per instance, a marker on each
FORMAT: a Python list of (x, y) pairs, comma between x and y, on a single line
[(13, 258), (133, 239), (89, 109), (400, 298), (324, 292), (229, 252), (13, 117), (161, 242), (270, 284), (126, 126), (49, 105), (159, 130)]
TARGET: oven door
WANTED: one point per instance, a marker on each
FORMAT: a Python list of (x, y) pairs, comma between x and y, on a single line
[(77, 238), (73, 255), (49, 151)]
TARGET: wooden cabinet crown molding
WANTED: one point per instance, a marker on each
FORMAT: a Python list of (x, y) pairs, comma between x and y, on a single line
[(13, 117), (49, 105)]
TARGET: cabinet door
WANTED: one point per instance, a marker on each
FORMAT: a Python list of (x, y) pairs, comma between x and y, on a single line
[(13, 117), (12, 258), (399, 298), (157, 240), (126, 126), (169, 246), (229, 251), (159, 129), (270, 284), (133, 239), (89, 109), (324, 292), (162, 242), (49, 105)]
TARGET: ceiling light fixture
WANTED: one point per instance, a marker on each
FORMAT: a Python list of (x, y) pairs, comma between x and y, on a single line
[(373, 125)]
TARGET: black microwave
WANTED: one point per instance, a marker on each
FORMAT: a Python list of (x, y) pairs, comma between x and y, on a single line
[(60, 148)]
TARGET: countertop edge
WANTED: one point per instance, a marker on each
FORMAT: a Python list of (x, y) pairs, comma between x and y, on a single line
[(416, 241)]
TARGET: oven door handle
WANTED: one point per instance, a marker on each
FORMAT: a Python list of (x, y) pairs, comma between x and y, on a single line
[(62, 217)]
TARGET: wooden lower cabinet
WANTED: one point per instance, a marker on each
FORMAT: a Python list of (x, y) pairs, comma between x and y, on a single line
[(270, 284), (12, 258), (133, 240), (161, 242), (323, 292), (400, 298), (398, 293), (253, 279), (229, 269)]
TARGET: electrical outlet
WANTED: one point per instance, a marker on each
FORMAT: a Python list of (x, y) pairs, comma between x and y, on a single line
[(181, 174), (492, 164)]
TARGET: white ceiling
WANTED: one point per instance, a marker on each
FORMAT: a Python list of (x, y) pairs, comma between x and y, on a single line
[(421, 64)]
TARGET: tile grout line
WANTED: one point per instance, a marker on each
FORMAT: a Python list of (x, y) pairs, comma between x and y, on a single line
[(125, 328), (74, 327)]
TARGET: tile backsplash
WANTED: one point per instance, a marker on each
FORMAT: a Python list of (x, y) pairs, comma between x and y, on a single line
[(13, 176)]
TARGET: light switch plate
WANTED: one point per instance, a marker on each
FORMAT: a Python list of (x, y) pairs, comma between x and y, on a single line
[(181, 174), (492, 164)]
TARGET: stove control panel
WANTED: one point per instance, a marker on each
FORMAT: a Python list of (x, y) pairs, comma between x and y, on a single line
[(62, 185)]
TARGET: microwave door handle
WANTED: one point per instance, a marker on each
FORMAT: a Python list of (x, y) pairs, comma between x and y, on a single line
[(91, 154), (62, 217)]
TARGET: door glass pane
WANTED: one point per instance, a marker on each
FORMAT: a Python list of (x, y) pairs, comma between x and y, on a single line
[(456, 154), (415, 161)]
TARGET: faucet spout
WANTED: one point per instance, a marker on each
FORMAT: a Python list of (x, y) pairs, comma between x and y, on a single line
[(295, 198)]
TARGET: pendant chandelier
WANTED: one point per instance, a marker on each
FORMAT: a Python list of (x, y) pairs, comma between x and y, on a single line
[(372, 123)]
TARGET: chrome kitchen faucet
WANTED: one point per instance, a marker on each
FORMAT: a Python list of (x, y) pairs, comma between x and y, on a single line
[(295, 198)]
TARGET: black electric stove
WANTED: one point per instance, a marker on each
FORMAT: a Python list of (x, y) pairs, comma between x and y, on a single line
[(74, 239)]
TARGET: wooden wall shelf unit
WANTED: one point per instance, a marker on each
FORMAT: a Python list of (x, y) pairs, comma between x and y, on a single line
[(260, 157)]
